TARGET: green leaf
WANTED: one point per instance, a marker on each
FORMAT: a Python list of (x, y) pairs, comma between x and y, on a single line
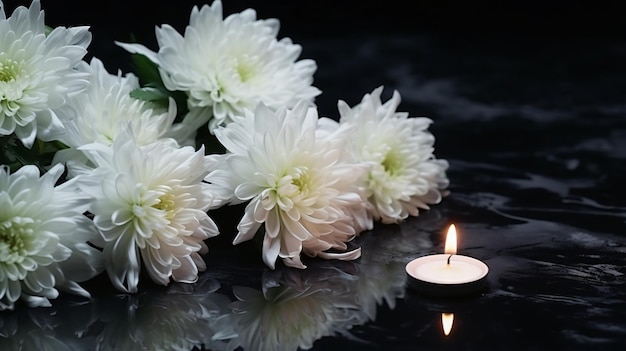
[(14, 154), (149, 94), (153, 88), (147, 71)]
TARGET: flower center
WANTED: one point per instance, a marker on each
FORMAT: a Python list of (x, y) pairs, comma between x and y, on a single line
[(290, 189), (14, 237), (299, 182), (302, 182), (167, 203), (392, 163), (246, 68), (8, 70)]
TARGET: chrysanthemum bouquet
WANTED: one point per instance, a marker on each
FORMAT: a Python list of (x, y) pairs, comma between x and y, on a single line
[(102, 173)]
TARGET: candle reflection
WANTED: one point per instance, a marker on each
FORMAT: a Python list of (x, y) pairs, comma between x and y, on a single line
[(447, 319)]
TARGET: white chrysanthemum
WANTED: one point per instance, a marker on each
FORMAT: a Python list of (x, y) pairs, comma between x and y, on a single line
[(37, 73), (228, 65), (294, 181), (404, 175), (43, 238), (150, 204), (106, 110)]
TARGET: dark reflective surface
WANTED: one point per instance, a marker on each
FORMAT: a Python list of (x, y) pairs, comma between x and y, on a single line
[(535, 133)]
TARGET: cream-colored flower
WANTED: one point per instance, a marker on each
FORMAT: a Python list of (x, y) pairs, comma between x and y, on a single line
[(37, 73), (227, 65), (150, 205), (404, 175), (294, 182), (43, 238)]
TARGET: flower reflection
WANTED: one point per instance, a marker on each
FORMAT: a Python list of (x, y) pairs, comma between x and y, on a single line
[(61, 327), (296, 308), (380, 283), (177, 318), (292, 309)]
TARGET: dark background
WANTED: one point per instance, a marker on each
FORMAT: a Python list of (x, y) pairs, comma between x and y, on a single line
[(486, 31), (533, 17), (506, 21), (551, 53)]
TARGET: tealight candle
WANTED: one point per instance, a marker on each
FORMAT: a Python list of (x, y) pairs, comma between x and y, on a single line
[(447, 274)]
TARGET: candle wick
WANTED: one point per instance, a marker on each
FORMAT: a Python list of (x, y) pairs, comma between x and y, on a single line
[(449, 257)]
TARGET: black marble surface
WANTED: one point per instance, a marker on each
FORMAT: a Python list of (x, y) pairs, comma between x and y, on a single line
[(534, 127)]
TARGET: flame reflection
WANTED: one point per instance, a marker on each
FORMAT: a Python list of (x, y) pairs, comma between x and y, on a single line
[(447, 319)]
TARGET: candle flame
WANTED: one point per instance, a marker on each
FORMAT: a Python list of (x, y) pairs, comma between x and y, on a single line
[(451, 241), (447, 319)]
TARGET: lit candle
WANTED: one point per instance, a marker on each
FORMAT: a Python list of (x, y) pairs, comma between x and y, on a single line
[(447, 274)]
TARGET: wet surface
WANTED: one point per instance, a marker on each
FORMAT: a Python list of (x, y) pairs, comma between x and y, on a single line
[(535, 133)]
